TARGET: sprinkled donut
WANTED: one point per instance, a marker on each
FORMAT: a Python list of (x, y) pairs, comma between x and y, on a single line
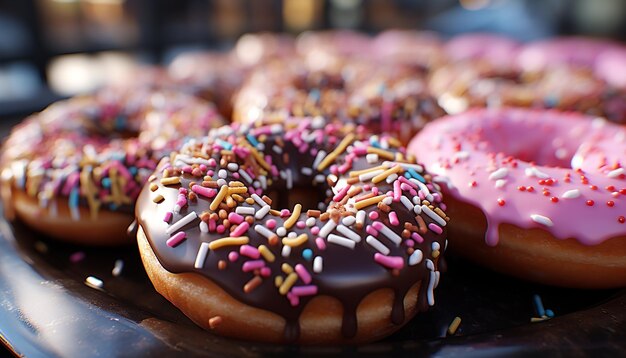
[(537, 194), (74, 170), (353, 267)]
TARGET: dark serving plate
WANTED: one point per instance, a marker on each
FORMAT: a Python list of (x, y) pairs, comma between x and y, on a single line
[(47, 309)]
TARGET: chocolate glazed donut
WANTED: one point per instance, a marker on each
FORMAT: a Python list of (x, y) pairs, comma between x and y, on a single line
[(354, 268)]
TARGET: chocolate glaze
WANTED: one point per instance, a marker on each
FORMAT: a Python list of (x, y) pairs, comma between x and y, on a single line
[(348, 274)]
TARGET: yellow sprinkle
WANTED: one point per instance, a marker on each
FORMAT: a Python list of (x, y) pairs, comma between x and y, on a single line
[(286, 268), (288, 283), (381, 153), (278, 280), (435, 254), (340, 149), (159, 198), (266, 253), (153, 187), (259, 158), (170, 181), (296, 241), (228, 241), (294, 217), (219, 198), (237, 190), (235, 183), (356, 173), (367, 202), (394, 142), (382, 176), (440, 213), (249, 201), (454, 325)]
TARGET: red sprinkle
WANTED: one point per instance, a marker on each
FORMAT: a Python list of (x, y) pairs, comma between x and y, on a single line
[(501, 202), (590, 202), (554, 199), (593, 187), (530, 189), (621, 219), (521, 188), (610, 203)]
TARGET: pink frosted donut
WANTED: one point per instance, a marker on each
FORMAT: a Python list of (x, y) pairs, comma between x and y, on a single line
[(494, 49), (537, 194), (611, 67)]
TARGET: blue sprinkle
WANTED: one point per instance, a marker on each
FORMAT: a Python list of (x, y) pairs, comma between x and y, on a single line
[(224, 144), (73, 199), (539, 306), (252, 140), (314, 94), (133, 171), (374, 142), (551, 101), (120, 122), (307, 254), (549, 313), (106, 182), (113, 206), (416, 175)]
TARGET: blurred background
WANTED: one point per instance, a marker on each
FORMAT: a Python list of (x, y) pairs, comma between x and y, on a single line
[(51, 49)]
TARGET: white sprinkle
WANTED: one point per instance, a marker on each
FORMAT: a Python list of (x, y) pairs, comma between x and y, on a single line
[(387, 200), (202, 254), (245, 210), (327, 228), (417, 209), (286, 251), (499, 174), (416, 257), (348, 220), (371, 158), (349, 233), (416, 200), (263, 181), (543, 220), (416, 167), (318, 158), (258, 200), (423, 188), (318, 264), (433, 215), (500, 183), (462, 155), (360, 217), (117, 268), (534, 172), (262, 230), (291, 235), (260, 214), (310, 222), (232, 167), (94, 282), (281, 231), (615, 173), (369, 175), (204, 227), (221, 182), (435, 246), (306, 171), (222, 174), (289, 179), (377, 245), (182, 222), (342, 241), (277, 149), (431, 282), (383, 229), (571, 194), (391, 178), (245, 175), (407, 202)]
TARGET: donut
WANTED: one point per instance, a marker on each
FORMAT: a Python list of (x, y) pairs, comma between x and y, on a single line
[(253, 49), (321, 50), (497, 50), (74, 170), (347, 251), (422, 49), (537, 194)]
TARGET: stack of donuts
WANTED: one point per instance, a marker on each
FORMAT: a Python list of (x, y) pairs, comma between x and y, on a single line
[(321, 213)]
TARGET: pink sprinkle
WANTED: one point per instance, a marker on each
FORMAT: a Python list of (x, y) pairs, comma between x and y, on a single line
[(373, 215), (252, 265), (176, 239), (443, 206), (210, 173), (304, 275), (235, 218), (397, 193), (240, 229), (182, 191), (333, 169), (409, 243), (271, 224), (187, 169), (308, 290), (370, 230), (321, 244), (233, 256), (417, 237), (375, 190), (249, 251), (168, 216), (342, 193), (293, 299), (300, 224), (404, 180), (212, 162), (203, 167), (235, 175), (393, 218), (212, 225), (181, 201), (421, 195), (315, 230), (77, 257), (392, 262), (284, 213), (206, 192), (196, 172), (266, 271), (413, 192), (360, 150), (220, 229), (435, 228)]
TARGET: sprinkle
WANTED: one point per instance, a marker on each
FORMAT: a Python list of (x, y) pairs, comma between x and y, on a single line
[(204, 227), (381, 153), (327, 228), (426, 210), (159, 198), (153, 186), (340, 149), (454, 325), (245, 210), (360, 219), (500, 183), (167, 217), (358, 173), (307, 254), (431, 282), (370, 174), (543, 220), (176, 239), (117, 268), (252, 284), (297, 241), (499, 174), (264, 231), (170, 181), (534, 172), (383, 229), (182, 222), (201, 256), (318, 264), (393, 218), (249, 251), (288, 283), (615, 173), (377, 245), (221, 195), (349, 233), (391, 262), (206, 192), (252, 265), (571, 194), (304, 290), (538, 305), (434, 228), (294, 216), (258, 200), (367, 202), (416, 257), (304, 275), (94, 282), (382, 176), (342, 241), (266, 253), (228, 241)]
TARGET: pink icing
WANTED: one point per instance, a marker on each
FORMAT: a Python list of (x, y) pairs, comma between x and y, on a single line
[(484, 158), (496, 49)]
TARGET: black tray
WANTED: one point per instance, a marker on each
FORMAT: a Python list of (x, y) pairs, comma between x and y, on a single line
[(47, 309)]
